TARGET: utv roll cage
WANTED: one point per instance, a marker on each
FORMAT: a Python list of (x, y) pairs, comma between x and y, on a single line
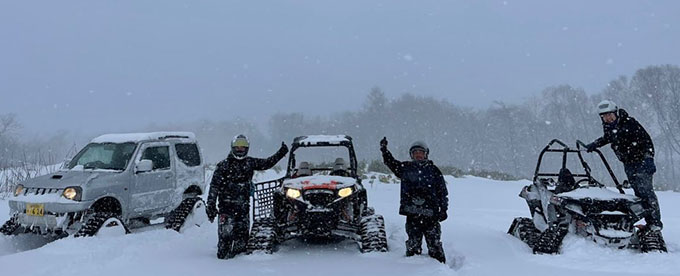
[(557, 146), (300, 142), (263, 196)]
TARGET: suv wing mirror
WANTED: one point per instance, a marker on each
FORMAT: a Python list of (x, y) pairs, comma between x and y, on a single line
[(144, 165)]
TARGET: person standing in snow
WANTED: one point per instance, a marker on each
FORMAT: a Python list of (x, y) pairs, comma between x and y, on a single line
[(423, 199), (634, 148), (231, 186)]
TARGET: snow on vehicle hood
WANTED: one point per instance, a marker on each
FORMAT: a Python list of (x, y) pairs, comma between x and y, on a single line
[(137, 137), (329, 182), (315, 139), (597, 193), (63, 179)]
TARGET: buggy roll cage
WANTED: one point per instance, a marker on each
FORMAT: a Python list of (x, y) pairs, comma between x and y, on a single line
[(564, 149), (297, 143)]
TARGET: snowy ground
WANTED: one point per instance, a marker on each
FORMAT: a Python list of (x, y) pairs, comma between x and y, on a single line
[(474, 238)]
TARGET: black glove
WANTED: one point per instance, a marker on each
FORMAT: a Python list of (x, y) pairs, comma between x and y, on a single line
[(383, 145), (211, 212), (283, 148), (591, 147), (443, 216)]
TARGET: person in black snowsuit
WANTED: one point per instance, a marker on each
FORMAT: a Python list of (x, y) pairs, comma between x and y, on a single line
[(423, 199), (231, 187), (634, 148)]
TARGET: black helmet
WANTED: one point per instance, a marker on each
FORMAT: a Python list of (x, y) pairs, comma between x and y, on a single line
[(419, 145), (240, 146)]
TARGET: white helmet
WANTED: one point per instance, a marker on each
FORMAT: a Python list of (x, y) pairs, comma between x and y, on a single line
[(606, 106), (419, 145)]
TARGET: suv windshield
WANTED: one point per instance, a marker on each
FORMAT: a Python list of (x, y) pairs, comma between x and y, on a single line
[(105, 156)]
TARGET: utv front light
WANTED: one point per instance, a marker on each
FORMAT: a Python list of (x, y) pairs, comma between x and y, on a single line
[(72, 193), (293, 193), (19, 189), (345, 192)]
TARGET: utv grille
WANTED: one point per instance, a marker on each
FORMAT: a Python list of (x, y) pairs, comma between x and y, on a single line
[(319, 197)]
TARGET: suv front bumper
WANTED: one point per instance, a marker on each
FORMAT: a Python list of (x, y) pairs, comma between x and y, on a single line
[(57, 215)]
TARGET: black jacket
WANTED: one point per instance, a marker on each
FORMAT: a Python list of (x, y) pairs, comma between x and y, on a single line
[(630, 141), (231, 182), (423, 189)]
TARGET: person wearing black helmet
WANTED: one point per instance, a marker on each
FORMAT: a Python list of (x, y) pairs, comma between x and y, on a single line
[(231, 187), (634, 148), (423, 199)]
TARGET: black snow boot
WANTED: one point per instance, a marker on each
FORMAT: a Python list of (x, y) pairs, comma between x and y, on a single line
[(439, 256), (413, 251)]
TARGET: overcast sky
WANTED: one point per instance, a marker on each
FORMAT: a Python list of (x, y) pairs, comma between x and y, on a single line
[(115, 65)]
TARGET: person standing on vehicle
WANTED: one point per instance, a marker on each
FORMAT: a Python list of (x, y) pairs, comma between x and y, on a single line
[(423, 199), (634, 148), (231, 186)]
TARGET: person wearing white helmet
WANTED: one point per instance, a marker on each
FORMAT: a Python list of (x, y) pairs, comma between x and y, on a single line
[(634, 148), (423, 199), (231, 187)]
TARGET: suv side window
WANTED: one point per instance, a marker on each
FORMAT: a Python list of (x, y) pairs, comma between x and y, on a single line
[(189, 155), (159, 155)]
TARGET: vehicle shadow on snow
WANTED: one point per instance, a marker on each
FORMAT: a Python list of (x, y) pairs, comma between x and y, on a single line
[(21, 243), (319, 245)]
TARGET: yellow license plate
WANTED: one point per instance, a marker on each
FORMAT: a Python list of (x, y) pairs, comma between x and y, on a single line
[(37, 210)]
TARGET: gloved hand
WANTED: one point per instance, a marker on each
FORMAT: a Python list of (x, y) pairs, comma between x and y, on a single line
[(211, 211), (443, 216), (284, 148), (591, 147), (383, 145)]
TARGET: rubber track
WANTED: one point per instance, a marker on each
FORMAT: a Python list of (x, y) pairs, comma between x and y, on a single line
[(177, 217), (524, 229), (550, 240), (263, 236), (93, 224), (373, 235), (10, 226), (652, 242)]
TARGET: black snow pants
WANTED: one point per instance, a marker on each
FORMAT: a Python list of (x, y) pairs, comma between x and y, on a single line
[(232, 232), (640, 175), (419, 226)]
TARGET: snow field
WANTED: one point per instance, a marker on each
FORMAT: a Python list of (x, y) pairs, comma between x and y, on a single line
[(474, 239)]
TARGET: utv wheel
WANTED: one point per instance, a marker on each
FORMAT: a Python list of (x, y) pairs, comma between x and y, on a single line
[(10, 227), (102, 224), (263, 236), (189, 213), (524, 229), (373, 235)]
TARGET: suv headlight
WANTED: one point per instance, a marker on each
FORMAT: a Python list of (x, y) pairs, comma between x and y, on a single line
[(18, 190), (345, 192), (293, 193), (72, 193)]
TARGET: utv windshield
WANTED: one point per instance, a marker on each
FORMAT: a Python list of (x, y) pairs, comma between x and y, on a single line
[(322, 160), (103, 156)]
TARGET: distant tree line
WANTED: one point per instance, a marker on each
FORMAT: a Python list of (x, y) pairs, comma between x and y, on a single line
[(507, 138), (502, 141)]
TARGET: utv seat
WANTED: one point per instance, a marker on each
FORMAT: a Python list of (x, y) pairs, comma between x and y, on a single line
[(565, 181), (339, 168), (303, 169)]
